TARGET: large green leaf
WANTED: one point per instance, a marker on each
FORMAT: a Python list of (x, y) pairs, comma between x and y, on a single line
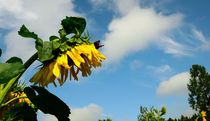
[(24, 32), (47, 102), (73, 25), (11, 69), (14, 60), (45, 53)]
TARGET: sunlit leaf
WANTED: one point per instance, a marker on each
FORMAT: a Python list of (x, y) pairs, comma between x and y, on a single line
[(47, 102), (55, 44), (64, 47), (45, 53), (73, 25), (24, 32), (10, 70)]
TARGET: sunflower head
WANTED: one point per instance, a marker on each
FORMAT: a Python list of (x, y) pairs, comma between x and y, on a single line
[(14, 97), (63, 56)]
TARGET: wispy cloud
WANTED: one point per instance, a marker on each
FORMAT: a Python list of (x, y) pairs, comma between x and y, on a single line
[(135, 29), (173, 47), (175, 85), (43, 20), (199, 35), (160, 69), (204, 41)]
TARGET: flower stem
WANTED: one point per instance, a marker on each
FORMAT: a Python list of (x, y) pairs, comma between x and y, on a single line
[(13, 99), (28, 63)]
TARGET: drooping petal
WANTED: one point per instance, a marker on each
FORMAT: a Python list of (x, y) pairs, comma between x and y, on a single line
[(73, 73), (63, 61), (76, 57), (56, 70)]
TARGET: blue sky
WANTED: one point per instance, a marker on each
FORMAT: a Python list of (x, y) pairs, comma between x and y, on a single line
[(150, 46)]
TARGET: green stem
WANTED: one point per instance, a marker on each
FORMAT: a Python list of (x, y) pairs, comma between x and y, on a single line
[(15, 79), (29, 62), (13, 99)]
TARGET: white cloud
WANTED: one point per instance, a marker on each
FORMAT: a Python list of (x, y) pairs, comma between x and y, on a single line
[(205, 43), (135, 29), (199, 35), (176, 85), (42, 17), (160, 69), (172, 47), (124, 7), (91, 112)]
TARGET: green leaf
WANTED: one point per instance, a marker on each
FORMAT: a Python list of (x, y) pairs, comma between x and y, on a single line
[(24, 32), (53, 38), (55, 44), (64, 47), (45, 53), (73, 25), (47, 102), (9, 71), (71, 40), (14, 60), (79, 41), (39, 44)]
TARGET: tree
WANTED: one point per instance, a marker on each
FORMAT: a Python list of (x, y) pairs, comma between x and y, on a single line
[(151, 114), (108, 119), (199, 89)]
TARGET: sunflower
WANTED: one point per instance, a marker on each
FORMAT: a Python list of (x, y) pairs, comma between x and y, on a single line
[(17, 95), (203, 115), (11, 96), (80, 58)]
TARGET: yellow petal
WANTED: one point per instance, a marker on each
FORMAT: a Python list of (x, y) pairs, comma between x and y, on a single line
[(56, 70), (63, 60), (76, 57)]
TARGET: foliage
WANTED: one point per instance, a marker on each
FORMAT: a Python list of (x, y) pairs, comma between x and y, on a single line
[(151, 114), (47, 50), (199, 89), (16, 104), (108, 119), (195, 117), (10, 69)]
